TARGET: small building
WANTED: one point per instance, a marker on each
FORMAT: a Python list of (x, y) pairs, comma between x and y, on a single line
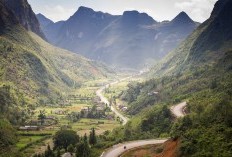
[(124, 109), (59, 112), (29, 128)]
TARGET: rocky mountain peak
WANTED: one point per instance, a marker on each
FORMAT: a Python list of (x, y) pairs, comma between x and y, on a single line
[(182, 18), (135, 17)]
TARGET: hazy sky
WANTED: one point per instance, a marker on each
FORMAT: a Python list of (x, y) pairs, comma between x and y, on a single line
[(198, 10)]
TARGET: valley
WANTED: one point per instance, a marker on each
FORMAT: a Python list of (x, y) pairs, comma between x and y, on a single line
[(106, 84), (69, 115)]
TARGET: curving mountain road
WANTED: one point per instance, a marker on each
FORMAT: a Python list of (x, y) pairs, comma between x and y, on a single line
[(178, 110), (105, 100), (118, 149)]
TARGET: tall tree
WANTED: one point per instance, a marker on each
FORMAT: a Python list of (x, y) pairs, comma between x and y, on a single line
[(92, 137), (41, 116), (83, 149)]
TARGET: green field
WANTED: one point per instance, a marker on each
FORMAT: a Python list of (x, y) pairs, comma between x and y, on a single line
[(24, 140)]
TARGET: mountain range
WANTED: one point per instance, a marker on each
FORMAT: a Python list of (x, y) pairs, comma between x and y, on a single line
[(34, 68), (132, 40)]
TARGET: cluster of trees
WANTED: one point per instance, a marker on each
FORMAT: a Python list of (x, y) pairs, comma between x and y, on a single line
[(11, 101), (7, 134), (153, 122), (69, 141), (206, 131), (139, 96), (91, 113)]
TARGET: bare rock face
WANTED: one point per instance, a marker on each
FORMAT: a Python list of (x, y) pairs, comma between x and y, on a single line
[(26, 17), (7, 18)]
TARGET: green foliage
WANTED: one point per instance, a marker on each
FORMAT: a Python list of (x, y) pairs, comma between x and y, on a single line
[(70, 148), (8, 136), (207, 87), (41, 116), (139, 96), (83, 149), (151, 123), (64, 138), (92, 137), (49, 152)]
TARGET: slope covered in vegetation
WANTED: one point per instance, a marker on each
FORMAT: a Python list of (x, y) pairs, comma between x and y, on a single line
[(199, 72), (33, 72)]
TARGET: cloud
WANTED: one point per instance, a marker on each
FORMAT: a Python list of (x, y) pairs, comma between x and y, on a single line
[(199, 10), (58, 12)]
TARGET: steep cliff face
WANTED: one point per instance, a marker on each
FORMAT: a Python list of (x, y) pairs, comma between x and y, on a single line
[(7, 18), (217, 29), (209, 43), (27, 18)]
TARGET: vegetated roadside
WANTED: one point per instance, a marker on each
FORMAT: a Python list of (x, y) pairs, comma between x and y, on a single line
[(168, 149)]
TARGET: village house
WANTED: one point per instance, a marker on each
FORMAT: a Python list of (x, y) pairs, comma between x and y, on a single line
[(29, 128)]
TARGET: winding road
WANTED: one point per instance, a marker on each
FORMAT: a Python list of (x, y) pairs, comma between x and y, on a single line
[(178, 110), (105, 100), (117, 150)]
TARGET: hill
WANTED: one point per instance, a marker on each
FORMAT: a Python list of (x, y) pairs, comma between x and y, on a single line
[(33, 72), (132, 40), (199, 72)]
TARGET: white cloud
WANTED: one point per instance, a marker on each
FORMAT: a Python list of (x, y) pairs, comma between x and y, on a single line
[(58, 12), (198, 9)]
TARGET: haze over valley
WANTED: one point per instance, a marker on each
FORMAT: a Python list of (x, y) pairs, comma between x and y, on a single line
[(104, 85)]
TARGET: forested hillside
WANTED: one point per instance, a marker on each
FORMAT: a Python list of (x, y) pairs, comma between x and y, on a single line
[(33, 72), (199, 72)]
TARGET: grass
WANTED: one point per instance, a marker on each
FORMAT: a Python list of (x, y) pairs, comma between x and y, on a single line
[(24, 140)]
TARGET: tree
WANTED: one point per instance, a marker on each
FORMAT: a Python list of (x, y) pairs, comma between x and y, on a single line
[(41, 116), (92, 137), (58, 153), (70, 149), (83, 149), (64, 138), (8, 135), (49, 152)]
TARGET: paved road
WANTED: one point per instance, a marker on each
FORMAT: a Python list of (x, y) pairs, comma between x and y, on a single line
[(66, 155), (178, 110), (105, 100), (117, 150)]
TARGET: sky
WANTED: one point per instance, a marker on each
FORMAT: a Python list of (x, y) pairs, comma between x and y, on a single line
[(160, 10)]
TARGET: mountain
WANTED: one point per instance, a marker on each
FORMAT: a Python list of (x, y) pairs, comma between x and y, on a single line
[(80, 31), (6, 18), (199, 72), (132, 40), (22, 10), (44, 22), (34, 72), (209, 43)]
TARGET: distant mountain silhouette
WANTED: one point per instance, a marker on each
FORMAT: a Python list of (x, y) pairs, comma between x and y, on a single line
[(132, 40)]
